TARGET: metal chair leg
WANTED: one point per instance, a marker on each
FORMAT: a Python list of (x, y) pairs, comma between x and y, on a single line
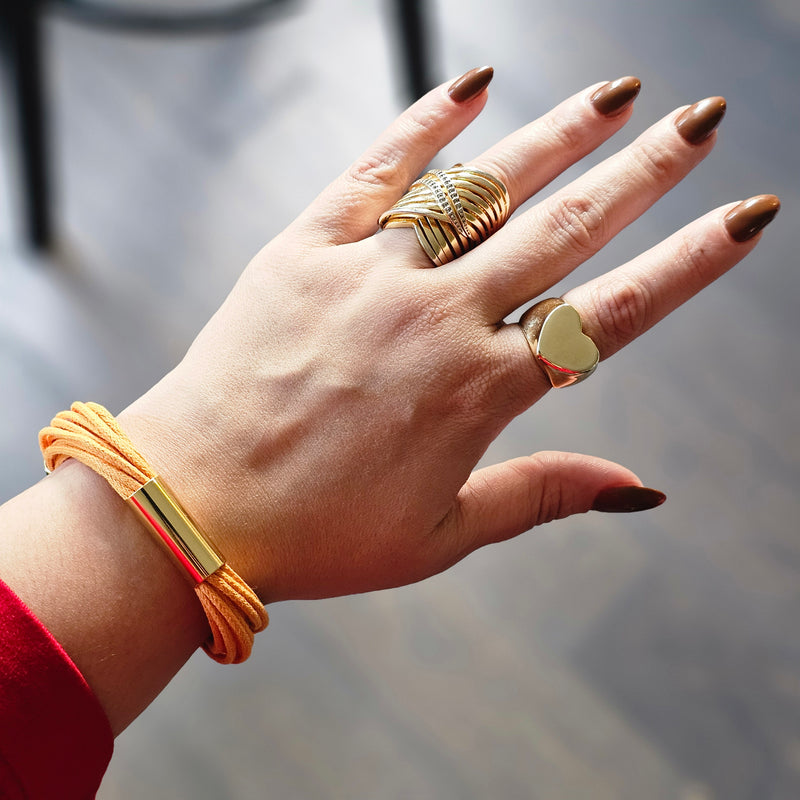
[(413, 28), (22, 53)]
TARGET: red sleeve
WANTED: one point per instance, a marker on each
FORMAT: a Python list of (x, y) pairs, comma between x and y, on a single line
[(55, 740)]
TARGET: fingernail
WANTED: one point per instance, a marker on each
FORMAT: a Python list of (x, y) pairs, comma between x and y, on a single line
[(751, 216), (470, 84), (698, 122), (621, 499), (615, 97)]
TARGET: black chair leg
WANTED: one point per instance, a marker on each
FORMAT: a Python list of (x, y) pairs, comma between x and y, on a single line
[(21, 50), (413, 27), (22, 53)]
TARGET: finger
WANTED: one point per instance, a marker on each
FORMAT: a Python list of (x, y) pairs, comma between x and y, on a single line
[(530, 158), (626, 302), (546, 243), (349, 208), (504, 500)]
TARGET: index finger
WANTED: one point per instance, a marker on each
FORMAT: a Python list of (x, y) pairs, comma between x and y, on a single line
[(348, 209)]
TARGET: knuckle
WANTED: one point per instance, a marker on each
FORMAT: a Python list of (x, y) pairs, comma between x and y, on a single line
[(551, 499), (657, 162), (624, 312), (424, 129), (383, 166), (570, 134), (551, 502), (375, 169), (579, 222), (698, 261)]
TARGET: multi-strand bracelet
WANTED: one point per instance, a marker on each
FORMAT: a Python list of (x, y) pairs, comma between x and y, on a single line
[(90, 434)]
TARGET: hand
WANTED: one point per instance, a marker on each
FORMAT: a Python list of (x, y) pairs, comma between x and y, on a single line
[(324, 426)]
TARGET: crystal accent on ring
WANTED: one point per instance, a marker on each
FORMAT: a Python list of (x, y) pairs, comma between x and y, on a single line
[(451, 211)]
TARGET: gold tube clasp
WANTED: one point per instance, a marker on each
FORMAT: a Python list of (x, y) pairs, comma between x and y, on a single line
[(173, 527)]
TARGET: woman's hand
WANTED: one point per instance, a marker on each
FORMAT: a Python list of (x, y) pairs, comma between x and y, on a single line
[(324, 426)]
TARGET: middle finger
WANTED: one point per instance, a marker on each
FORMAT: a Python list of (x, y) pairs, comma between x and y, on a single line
[(529, 158), (539, 248)]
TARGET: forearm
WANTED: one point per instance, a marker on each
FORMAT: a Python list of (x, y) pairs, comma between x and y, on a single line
[(86, 566)]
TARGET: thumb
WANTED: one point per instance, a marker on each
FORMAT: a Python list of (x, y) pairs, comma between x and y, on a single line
[(506, 499)]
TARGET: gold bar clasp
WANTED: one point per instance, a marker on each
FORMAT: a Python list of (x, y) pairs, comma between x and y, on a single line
[(164, 515)]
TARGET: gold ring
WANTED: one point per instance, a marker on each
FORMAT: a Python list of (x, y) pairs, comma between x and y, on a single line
[(554, 332), (451, 211)]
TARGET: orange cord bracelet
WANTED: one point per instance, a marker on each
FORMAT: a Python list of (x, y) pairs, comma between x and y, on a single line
[(90, 434)]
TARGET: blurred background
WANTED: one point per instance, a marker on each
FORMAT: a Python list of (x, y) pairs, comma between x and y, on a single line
[(645, 656)]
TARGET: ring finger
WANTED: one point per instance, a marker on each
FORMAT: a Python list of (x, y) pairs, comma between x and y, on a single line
[(549, 240), (622, 304), (528, 159)]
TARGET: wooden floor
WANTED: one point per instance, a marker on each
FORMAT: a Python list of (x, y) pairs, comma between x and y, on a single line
[(643, 657)]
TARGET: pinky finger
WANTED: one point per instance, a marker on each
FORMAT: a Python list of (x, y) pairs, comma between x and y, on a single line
[(622, 304)]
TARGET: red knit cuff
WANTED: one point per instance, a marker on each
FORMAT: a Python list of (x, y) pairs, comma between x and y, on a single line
[(55, 739)]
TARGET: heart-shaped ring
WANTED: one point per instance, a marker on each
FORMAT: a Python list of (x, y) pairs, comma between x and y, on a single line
[(555, 334)]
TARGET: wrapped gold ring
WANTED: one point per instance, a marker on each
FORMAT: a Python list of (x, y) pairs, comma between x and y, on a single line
[(451, 211)]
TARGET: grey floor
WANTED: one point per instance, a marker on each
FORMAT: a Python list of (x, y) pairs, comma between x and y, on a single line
[(648, 656)]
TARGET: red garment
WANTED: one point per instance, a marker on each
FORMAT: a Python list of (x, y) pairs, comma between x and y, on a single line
[(55, 740)]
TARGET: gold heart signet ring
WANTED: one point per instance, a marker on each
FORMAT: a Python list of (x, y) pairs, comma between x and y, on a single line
[(555, 334)]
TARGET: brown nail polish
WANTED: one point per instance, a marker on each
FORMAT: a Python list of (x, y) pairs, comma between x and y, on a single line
[(751, 216), (622, 499), (470, 84), (698, 122), (615, 97)]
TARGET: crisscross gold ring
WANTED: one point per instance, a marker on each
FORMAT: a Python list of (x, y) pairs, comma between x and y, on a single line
[(451, 211)]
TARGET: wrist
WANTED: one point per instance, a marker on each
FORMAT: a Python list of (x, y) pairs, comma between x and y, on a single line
[(179, 442), (88, 569), (89, 433)]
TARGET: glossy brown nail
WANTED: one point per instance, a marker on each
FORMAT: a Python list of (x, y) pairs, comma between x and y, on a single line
[(470, 84), (623, 499), (615, 97), (699, 121), (751, 216)]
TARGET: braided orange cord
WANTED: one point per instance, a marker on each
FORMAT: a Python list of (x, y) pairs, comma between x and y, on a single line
[(90, 434)]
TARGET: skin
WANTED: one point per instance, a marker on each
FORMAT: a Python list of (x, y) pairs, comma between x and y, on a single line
[(324, 426)]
